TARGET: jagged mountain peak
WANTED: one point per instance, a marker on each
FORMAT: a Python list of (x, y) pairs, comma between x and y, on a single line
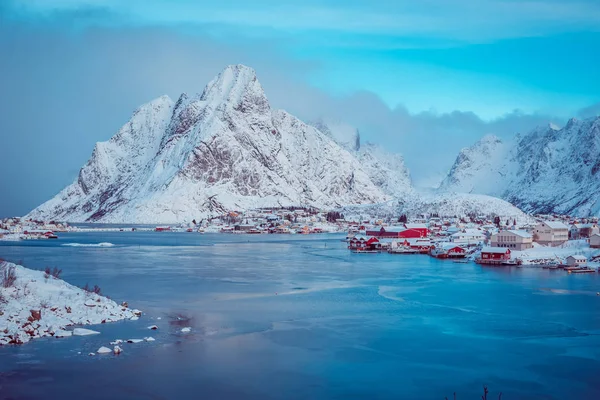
[(203, 155), (236, 86), (343, 133), (546, 170)]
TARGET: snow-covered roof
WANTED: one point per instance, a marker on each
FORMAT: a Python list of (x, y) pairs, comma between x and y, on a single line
[(583, 226), (498, 250), (523, 234), (555, 224), (415, 226), (579, 257), (447, 246), (395, 228)]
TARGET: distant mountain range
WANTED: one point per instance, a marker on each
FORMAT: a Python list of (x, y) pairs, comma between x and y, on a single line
[(226, 149), (548, 170)]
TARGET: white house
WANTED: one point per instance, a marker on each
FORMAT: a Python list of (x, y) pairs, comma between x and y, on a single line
[(595, 241), (551, 233), (576, 260), (516, 240), (583, 231), (468, 236)]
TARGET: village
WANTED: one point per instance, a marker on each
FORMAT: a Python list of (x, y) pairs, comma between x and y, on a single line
[(550, 241)]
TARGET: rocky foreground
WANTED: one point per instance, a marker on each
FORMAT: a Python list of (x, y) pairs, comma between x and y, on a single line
[(36, 304)]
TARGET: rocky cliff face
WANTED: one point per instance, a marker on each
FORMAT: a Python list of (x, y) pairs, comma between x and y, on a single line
[(547, 170), (386, 170), (225, 149)]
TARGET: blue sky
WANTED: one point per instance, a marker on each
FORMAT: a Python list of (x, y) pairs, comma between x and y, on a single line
[(442, 71)]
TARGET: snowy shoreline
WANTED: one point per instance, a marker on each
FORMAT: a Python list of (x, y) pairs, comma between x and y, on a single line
[(34, 304)]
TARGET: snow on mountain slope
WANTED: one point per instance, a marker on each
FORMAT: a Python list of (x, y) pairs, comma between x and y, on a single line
[(482, 166), (443, 204), (342, 133), (547, 170), (222, 150), (386, 170)]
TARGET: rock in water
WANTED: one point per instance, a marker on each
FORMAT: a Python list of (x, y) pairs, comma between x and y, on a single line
[(104, 350), (84, 332)]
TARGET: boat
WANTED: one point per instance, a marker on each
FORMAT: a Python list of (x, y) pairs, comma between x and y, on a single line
[(585, 270), (365, 251)]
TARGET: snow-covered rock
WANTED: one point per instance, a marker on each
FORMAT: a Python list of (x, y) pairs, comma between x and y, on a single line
[(549, 170), (60, 303), (186, 329), (84, 332), (104, 350), (153, 327), (149, 339), (135, 340), (224, 149)]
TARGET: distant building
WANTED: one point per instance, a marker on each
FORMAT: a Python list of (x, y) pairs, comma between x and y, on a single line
[(516, 240), (551, 233), (400, 231), (577, 260), (595, 241), (492, 255), (469, 236), (583, 231)]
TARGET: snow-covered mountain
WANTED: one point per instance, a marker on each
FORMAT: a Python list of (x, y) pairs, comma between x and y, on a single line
[(547, 170), (225, 149), (341, 132), (386, 170)]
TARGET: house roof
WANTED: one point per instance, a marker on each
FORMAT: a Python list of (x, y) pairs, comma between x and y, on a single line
[(579, 257), (555, 224), (415, 226), (394, 228), (416, 241), (523, 234), (496, 250), (583, 226), (448, 246)]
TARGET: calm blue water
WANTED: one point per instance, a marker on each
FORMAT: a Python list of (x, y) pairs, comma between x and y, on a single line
[(297, 317)]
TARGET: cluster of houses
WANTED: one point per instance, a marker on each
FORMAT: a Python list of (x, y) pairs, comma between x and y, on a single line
[(20, 228), (493, 244)]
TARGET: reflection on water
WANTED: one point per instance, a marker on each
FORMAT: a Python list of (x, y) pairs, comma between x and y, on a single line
[(296, 317)]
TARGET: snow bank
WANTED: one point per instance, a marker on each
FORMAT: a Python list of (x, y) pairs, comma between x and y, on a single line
[(10, 237), (35, 306), (544, 254)]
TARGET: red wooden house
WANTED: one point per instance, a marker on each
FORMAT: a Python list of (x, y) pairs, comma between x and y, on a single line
[(400, 232), (494, 255), (363, 244), (417, 229)]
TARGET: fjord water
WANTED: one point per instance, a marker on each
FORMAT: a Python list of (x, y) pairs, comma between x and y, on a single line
[(297, 317)]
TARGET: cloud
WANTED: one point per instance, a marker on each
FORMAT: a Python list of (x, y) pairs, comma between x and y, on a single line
[(591, 111), (462, 20), (64, 90)]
